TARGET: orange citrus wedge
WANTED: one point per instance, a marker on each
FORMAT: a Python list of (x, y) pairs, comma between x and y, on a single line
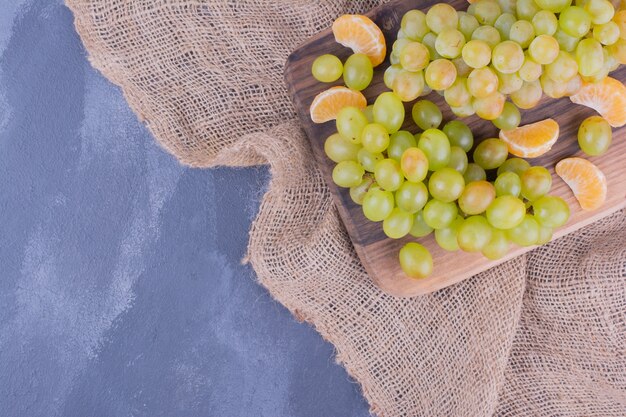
[(532, 140), (607, 97), (361, 35), (585, 179), (329, 103)]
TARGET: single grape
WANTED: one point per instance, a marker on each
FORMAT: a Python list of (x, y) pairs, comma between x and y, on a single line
[(575, 21), (358, 72), (463, 111), (507, 57), (491, 153), (400, 142), (474, 172), (377, 204), (350, 124), (467, 24), (348, 174), (458, 159), (474, 234), (498, 246), (436, 146), (415, 260), (441, 16), (566, 42), (338, 149), (551, 211), (528, 96), (476, 197), (368, 160), (426, 115), (458, 94), (526, 9), (531, 70), (508, 183), (327, 68), (506, 212), (408, 85), (607, 33), (459, 135), (536, 182), (438, 214), (522, 32), (398, 46), (504, 23), (398, 224), (574, 85), (375, 138), (490, 107), (414, 56), (476, 53), (487, 11), (601, 11), (389, 111), (555, 6), (589, 57), (440, 74), (552, 88), (482, 82), (429, 42), (545, 235), (412, 196), (414, 25), (507, 6), (462, 69), (515, 165), (545, 23), (357, 194), (510, 117), (446, 184), (390, 75), (447, 237), (594, 136), (488, 34), (388, 174), (449, 43), (544, 49), (509, 83), (420, 228), (414, 164), (526, 233)]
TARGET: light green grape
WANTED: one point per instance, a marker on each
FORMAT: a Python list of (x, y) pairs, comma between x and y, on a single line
[(463, 111), (515, 165), (531, 70), (436, 146), (446, 184), (449, 43), (369, 113), (488, 34), (509, 83), (414, 56), (416, 261), (398, 46), (357, 194), (526, 9), (526, 233), (477, 197), (368, 160), (459, 134), (555, 6), (338, 149), (414, 164), (506, 212), (388, 174), (350, 124), (440, 74), (487, 11), (589, 57), (412, 196), (348, 174), (438, 214), (467, 24), (606, 34), (504, 23), (508, 183), (327, 68), (491, 153), (441, 16), (414, 25), (420, 228), (447, 237), (476, 53), (482, 82), (458, 94), (566, 42), (398, 224), (400, 142), (474, 172), (536, 182), (358, 72), (426, 114), (545, 235), (375, 138), (458, 159), (389, 111), (498, 246), (601, 11), (522, 32), (429, 42), (575, 21), (594, 136), (544, 49), (551, 211), (377, 204), (408, 85), (545, 23), (510, 117), (507, 6), (507, 57), (390, 75), (528, 96), (474, 234)]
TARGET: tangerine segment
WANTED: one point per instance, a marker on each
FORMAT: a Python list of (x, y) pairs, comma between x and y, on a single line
[(585, 179), (360, 34), (533, 140), (327, 104), (607, 97)]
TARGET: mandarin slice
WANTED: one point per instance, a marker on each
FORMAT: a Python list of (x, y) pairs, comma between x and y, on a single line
[(586, 180), (361, 34), (329, 103), (533, 140)]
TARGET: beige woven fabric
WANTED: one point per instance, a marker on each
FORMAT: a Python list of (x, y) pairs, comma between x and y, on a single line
[(543, 335)]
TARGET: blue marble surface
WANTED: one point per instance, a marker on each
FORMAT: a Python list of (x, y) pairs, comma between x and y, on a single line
[(121, 288)]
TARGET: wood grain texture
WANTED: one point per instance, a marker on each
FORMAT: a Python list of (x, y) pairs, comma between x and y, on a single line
[(378, 253)]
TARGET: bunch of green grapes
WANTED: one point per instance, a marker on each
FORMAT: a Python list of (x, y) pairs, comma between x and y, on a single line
[(429, 182)]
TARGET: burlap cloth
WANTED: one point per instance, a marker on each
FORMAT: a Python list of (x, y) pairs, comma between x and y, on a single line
[(543, 335)]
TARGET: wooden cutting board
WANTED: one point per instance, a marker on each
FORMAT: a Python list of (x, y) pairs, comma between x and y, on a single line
[(378, 253)]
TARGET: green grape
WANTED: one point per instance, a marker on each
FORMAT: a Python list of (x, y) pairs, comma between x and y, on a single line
[(398, 224), (545, 235), (401, 34), (555, 6), (377, 204), (526, 9), (467, 24), (426, 115), (544, 49), (476, 53), (441, 16), (338, 149), (491, 153), (498, 246), (504, 23), (350, 124), (463, 111), (482, 82), (357, 194), (487, 11), (414, 25), (414, 164), (508, 183), (449, 43), (408, 85), (436, 146), (589, 57), (388, 174), (575, 21), (369, 113), (474, 234), (429, 42), (545, 23), (474, 172), (462, 69), (459, 135), (506, 212), (594, 136), (476, 197), (412, 196), (458, 159), (446, 184), (368, 160), (415, 260), (551, 211), (389, 111), (507, 6), (458, 94), (414, 56), (390, 75), (490, 107), (607, 33), (536, 182), (515, 165), (394, 59), (528, 96), (526, 233), (400, 142), (488, 34), (601, 11), (358, 72), (507, 57), (348, 174), (438, 214), (509, 83), (446, 237), (566, 42), (327, 68), (420, 228), (510, 117), (531, 70), (522, 32), (399, 45), (440, 74), (375, 138), (563, 68)]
